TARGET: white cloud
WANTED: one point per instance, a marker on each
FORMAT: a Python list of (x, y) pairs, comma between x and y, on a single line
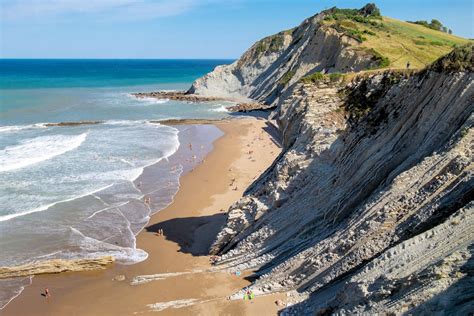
[(113, 9)]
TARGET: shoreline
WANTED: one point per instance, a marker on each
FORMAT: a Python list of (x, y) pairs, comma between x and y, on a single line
[(156, 182), (177, 260)]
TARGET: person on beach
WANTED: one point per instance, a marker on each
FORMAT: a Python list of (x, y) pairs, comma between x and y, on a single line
[(46, 293), (248, 295)]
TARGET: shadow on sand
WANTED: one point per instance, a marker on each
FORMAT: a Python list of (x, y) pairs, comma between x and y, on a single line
[(194, 235)]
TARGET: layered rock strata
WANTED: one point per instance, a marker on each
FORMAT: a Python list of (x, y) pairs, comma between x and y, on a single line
[(375, 173)]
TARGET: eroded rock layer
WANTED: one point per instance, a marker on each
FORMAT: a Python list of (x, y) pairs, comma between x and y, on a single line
[(56, 266), (276, 62), (369, 206)]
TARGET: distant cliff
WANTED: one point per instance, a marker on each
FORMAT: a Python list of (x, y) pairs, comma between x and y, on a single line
[(369, 207)]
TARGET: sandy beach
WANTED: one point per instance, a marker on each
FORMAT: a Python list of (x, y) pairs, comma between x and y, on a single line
[(174, 279)]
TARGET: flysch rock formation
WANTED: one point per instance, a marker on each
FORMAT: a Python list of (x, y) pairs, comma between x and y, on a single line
[(369, 207), (276, 62), (56, 266)]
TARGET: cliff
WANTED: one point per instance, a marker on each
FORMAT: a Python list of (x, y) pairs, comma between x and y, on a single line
[(275, 62), (333, 41), (369, 207)]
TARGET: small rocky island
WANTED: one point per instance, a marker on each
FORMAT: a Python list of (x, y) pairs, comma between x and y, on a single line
[(185, 96), (177, 96)]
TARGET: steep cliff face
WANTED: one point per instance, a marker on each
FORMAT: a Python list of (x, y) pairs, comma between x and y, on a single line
[(370, 204), (333, 41), (369, 207), (275, 63)]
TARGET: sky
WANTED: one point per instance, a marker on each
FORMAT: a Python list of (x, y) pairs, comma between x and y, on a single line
[(180, 28)]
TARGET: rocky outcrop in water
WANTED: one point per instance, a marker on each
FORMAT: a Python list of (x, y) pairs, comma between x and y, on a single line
[(177, 96), (56, 266), (369, 207)]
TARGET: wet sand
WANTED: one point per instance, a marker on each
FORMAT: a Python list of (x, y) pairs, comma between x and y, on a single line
[(189, 224)]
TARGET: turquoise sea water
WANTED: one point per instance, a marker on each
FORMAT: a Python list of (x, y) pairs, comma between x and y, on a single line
[(78, 191), (37, 91), (80, 73)]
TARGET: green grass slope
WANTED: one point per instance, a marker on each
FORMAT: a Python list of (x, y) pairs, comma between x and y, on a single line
[(398, 41)]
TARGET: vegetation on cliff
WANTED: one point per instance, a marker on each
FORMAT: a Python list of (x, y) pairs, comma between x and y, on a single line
[(434, 25), (394, 43), (318, 77), (353, 41), (362, 98), (460, 59), (375, 170), (287, 77)]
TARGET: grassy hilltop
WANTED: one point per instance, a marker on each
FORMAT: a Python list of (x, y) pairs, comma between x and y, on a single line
[(396, 42)]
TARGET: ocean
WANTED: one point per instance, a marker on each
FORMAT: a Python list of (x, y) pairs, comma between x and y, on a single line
[(78, 191)]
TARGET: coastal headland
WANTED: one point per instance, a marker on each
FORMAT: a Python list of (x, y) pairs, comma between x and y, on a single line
[(352, 196)]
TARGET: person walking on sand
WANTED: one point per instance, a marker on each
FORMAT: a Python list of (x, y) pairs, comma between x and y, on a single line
[(46, 293)]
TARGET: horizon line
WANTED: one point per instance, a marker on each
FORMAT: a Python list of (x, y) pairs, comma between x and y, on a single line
[(109, 58)]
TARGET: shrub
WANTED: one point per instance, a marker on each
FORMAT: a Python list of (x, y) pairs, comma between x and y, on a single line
[(460, 59), (276, 43), (270, 44), (261, 47), (363, 15), (417, 42), (382, 61), (437, 43), (362, 99), (336, 76), (286, 77), (434, 25), (313, 78), (464, 132), (348, 24), (355, 33)]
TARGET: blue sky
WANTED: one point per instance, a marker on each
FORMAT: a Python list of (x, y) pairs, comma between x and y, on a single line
[(179, 28)]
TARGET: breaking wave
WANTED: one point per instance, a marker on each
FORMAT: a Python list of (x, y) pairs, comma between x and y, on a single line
[(36, 150)]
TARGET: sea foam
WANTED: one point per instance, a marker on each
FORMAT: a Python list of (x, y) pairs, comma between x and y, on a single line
[(220, 109), (38, 149), (16, 128)]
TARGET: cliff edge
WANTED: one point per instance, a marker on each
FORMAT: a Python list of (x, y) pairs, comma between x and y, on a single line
[(369, 207)]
